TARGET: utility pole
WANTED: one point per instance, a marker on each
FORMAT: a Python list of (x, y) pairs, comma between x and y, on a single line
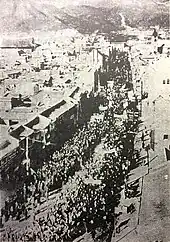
[(141, 97), (27, 156), (148, 162)]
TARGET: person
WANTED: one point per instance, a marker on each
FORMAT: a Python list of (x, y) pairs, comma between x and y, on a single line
[(1, 222), (142, 138)]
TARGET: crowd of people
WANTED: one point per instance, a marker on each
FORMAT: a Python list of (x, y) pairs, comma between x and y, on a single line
[(84, 203), (90, 194), (87, 189), (52, 175)]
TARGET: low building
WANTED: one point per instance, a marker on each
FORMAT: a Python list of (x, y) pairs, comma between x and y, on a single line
[(8, 148), (13, 73)]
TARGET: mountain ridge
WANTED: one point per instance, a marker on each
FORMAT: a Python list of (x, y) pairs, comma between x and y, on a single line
[(27, 16)]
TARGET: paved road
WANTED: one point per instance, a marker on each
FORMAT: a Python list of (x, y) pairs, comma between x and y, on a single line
[(154, 220), (155, 208)]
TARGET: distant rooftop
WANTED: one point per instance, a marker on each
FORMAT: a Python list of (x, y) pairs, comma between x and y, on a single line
[(16, 43)]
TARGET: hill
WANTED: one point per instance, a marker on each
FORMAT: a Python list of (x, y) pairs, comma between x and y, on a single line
[(146, 15), (29, 15)]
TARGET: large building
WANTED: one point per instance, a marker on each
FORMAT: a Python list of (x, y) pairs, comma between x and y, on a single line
[(157, 78)]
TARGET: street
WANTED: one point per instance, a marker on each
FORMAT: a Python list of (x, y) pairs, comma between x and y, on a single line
[(154, 206), (85, 134), (154, 220)]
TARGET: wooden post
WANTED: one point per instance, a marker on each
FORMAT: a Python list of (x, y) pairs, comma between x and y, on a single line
[(141, 98), (27, 157), (26, 153)]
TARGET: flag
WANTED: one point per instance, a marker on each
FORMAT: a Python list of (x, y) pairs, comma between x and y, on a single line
[(167, 152)]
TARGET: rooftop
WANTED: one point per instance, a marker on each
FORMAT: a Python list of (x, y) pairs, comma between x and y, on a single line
[(38, 123), (7, 142), (21, 132), (3, 75), (59, 111), (22, 114)]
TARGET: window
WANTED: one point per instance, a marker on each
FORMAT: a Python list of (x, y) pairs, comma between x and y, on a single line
[(163, 81), (165, 136), (167, 81)]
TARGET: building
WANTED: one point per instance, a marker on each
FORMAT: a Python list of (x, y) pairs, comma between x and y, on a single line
[(29, 141), (3, 75), (8, 148), (160, 126), (15, 73)]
